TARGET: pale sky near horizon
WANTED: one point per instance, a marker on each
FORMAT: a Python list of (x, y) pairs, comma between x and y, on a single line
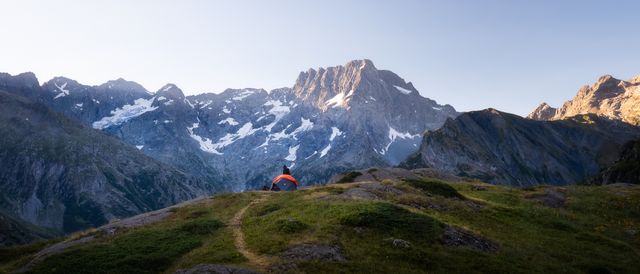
[(510, 55)]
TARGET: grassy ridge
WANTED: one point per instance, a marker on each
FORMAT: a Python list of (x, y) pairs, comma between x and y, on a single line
[(592, 233)]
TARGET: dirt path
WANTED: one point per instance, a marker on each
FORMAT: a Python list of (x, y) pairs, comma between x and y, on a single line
[(258, 261)]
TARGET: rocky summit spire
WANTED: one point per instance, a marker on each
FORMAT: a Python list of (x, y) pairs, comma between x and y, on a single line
[(352, 83), (543, 112), (610, 97)]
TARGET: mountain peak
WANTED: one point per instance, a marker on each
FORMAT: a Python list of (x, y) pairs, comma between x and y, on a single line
[(605, 83), (363, 64), (25, 79), (336, 87), (608, 97), (170, 91), (543, 112), (123, 84)]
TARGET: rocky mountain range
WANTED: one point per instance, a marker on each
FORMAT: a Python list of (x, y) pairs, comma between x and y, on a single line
[(333, 119), (502, 148), (608, 97), (78, 156), (59, 174)]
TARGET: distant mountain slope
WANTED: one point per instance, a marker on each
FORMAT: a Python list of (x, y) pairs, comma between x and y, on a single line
[(625, 170), (333, 119), (59, 174), (14, 231), (502, 148), (609, 97)]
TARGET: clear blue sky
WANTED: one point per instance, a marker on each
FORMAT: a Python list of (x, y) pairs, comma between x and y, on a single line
[(510, 55)]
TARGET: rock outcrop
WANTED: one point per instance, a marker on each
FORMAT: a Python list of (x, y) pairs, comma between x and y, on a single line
[(608, 97)]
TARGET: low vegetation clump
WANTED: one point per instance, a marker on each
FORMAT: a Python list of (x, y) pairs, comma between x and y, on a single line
[(201, 227), (290, 225), (349, 177), (435, 187), (390, 218), (143, 251)]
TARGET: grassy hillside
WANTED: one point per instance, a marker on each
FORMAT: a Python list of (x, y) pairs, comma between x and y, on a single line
[(413, 226), (14, 231)]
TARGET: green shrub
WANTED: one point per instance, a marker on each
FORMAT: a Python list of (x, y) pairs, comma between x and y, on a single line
[(11, 253), (435, 187), (201, 227), (349, 177), (139, 251), (148, 251), (268, 208), (388, 217), (290, 225)]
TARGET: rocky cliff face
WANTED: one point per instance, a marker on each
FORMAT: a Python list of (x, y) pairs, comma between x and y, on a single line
[(333, 119), (502, 148), (60, 174), (625, 170), (608, 97)]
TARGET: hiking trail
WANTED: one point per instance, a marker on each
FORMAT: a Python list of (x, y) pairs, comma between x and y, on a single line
[(258, 261)]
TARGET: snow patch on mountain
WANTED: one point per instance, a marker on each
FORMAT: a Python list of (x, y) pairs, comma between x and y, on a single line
[(246, 130), (188, 103), (125, 113), (325, 150), (230, 121), (278, 109), (394, 134), (63, 92), (335, 132), (205, 144), (204, 105), (403, 90), (340, 100), (305, 125), (242, 95), (292, 153), (336, 101)]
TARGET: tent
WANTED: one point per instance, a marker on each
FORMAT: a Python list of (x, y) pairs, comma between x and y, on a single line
[(284, 182)]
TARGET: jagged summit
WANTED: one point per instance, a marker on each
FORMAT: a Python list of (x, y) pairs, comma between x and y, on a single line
[(356, 82), (608, 96), (543, 112), (19, 81)]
